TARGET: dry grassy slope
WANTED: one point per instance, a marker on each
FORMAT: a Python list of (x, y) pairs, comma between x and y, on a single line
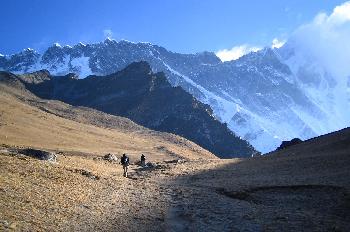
[(26, 120), (303, 188)]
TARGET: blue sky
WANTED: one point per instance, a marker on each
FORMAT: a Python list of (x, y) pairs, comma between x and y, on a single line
[(185, 26)]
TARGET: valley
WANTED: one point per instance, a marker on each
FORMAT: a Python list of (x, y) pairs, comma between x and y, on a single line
[(183, 188), (234, 116)]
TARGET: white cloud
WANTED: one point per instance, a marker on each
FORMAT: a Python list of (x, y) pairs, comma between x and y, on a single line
[(326, 39), (341, 14), (236, 52), (108, 33), (276, 43)]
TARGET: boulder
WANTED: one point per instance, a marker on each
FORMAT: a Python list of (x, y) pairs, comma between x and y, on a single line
[(39, 154), (110, 157)]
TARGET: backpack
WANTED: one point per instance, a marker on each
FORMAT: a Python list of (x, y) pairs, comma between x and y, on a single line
[(125, 160)]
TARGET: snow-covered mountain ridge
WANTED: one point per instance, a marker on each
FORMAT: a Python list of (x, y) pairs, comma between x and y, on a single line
[(264, 97)]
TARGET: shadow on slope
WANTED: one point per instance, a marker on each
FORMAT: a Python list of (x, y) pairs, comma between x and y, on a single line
[(303, 188)]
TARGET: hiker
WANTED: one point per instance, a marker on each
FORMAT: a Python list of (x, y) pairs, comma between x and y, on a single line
[(143, 160), (125, 162)]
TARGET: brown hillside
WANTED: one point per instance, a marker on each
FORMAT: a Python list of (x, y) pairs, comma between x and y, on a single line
[(26, 120)]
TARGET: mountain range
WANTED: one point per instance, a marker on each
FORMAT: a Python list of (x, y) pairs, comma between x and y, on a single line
[(146, 98), (264, 97)]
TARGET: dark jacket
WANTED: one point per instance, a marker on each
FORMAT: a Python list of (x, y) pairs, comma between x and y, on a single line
[(124, 160)]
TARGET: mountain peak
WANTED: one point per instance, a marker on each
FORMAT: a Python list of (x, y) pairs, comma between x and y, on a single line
[(109, 40), (56, 45), (141, 67), (43, 72), (71, 76), (28, 51), (81, 44)]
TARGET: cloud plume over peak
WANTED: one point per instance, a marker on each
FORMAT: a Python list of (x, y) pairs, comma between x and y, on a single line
[(276, 43), (326, 39), (108, 33), (236, 52)]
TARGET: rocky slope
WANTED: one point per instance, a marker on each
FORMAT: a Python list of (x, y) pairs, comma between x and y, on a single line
[(146, 98), (264, 97)]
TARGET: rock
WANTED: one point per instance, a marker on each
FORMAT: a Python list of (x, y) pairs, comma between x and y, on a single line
[(86, 206), (151, 165), (181, 161), (138, 163), (256, 154), (39, 154), (171, 161), (175, 161), (89, 175), (13, 226), (4, 223), (85, 173), (110, 157), (292, 142)]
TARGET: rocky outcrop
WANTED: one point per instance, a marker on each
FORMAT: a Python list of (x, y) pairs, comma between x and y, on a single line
[(292, 142), (39, 154), (110, 157)]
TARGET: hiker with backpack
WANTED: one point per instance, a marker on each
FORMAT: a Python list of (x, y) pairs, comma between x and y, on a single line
[(125, 162), (143, 160)]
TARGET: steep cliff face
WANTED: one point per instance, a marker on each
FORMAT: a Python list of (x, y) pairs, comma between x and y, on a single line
[(146, 98)]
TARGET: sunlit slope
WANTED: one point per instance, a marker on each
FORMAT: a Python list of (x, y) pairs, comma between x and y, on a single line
[(26, 120)]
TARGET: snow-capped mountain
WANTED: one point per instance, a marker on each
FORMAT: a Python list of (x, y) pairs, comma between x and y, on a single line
[(327, 89), (264, 97)]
